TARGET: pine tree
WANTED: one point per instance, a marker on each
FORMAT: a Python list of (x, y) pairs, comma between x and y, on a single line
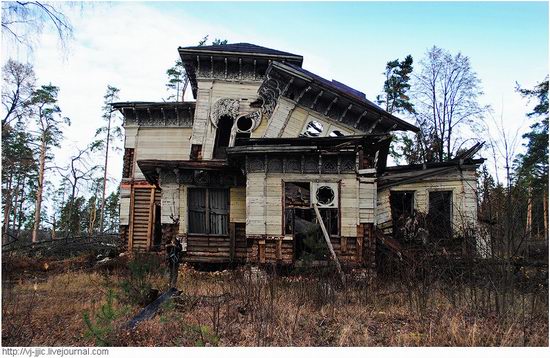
[(49, 121), (109, 134)]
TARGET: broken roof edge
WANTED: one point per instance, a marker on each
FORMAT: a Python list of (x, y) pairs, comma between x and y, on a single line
[(332, 86), (424, 166)]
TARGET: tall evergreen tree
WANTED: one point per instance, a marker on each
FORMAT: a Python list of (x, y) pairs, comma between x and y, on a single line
[(177, 77), (395, 97), (108, 136), (531, 167), (49, 121)]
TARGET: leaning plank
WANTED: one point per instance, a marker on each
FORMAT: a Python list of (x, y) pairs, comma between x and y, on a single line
[(149, 311), (327, 239)]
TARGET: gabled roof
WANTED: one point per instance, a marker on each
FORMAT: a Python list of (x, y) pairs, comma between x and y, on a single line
[(241, 48), (343, 90)]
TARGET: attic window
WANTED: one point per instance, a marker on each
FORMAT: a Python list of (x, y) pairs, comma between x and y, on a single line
[(314, 129), (336, 133)]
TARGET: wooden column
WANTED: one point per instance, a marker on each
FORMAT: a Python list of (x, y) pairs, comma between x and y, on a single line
[(150, 225), (232, 241), (131, 219)]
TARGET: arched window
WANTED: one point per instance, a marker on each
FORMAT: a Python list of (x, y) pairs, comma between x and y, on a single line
[(223, 135)]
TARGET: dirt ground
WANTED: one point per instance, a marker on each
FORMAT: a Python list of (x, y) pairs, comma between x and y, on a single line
[(79, 302)]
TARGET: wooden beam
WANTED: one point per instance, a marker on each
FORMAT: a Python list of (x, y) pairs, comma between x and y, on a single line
[(225, 59), (316, 98), (330, 105), (254, 69), (329, 244), (371, 128), (211, 66), (198, 66), (360, 118), (344, 113), (151, 217), (287, 86), (163, 114), (240, 68), (304, 91)]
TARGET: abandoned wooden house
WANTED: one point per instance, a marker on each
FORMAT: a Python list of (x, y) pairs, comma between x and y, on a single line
[(267, 151)]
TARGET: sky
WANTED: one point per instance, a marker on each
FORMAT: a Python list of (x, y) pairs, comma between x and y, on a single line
[(131, 44)]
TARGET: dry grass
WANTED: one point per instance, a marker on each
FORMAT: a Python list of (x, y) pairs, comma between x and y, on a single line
[(237, 308)]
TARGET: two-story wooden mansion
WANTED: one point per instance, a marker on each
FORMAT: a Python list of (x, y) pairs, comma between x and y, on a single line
[(238, 172)]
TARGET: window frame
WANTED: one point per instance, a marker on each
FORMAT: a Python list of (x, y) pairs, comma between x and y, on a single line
[(208, 212)]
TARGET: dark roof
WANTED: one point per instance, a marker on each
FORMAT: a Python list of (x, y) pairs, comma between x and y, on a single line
[(241, 47), (141, 104), (348, 92)]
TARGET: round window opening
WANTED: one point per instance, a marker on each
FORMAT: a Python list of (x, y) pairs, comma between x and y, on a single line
[(325, 195), (244, 124), (314, 129)]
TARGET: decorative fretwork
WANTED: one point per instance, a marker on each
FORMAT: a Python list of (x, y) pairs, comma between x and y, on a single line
[(347, 165), (270, 91), (306, 164), (329, 165), (311, 164), (224, 107), (202, 177), (275, 165), (293, 166), (256, 165)]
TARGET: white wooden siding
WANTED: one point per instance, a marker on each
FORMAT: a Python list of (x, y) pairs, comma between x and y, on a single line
[(464, 198)]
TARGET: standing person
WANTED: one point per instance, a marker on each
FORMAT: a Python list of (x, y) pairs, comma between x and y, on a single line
[(173, 252)]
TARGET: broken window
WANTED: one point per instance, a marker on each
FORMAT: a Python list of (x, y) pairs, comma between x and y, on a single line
[(439, 214), (301, 220), (208, 211), (223, 135), (402, 208), (314, 129)]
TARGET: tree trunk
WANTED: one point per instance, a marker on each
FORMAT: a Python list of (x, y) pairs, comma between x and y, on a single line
[(39, 190), (545, 211), (529, 223), (20, 218), (102, 208), (18, 189), (7, 209)]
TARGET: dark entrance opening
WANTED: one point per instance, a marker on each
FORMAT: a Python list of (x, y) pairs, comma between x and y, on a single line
[(223, 134), (302, 223), (402, 208), (439, 214), (157, 231)]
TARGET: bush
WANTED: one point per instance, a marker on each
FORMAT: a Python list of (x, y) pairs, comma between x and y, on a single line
[(137, 288), (103, 324)]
